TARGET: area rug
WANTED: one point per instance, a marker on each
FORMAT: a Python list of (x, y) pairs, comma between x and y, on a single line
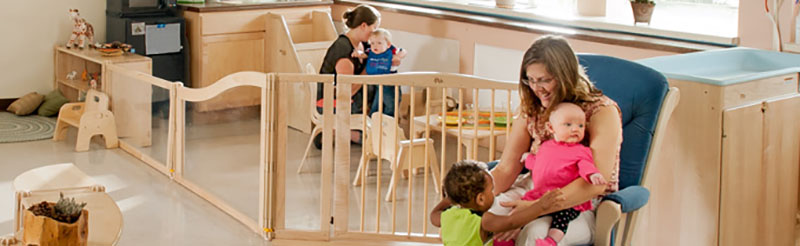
[(25, 128)]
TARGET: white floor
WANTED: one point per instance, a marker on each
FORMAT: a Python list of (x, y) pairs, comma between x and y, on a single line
[(155, 210), (221, 158)]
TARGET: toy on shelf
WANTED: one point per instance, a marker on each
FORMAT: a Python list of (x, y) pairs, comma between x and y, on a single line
[(85, 75), (81, 30), (71, 75), (115, 48), (93, 81)]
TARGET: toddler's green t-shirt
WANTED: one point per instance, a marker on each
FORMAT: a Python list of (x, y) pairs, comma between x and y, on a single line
[(460, 226)]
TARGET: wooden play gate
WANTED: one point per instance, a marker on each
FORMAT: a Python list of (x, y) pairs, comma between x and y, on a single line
[(244, 165)]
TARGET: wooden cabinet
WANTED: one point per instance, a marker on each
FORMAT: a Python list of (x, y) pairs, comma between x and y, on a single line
[(226, 42), (133, 126), (730, 172), (759, 175), (91, 61)]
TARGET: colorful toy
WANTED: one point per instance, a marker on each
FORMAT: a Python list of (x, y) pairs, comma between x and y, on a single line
[(85, 75), (81, 30)]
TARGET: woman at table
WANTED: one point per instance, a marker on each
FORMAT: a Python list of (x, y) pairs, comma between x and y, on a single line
[(550, 74)]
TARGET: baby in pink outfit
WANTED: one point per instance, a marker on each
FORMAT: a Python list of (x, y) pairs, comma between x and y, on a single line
[(558, 162)]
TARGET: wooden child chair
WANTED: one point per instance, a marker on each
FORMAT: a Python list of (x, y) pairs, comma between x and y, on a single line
[(414, 149), (91, 117)]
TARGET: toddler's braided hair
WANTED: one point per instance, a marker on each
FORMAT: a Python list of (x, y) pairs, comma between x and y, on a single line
[(465, 180)]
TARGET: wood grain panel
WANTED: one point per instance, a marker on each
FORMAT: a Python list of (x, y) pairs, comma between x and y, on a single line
[(781, 159), (757, 90), (743, 177), (229, 54)]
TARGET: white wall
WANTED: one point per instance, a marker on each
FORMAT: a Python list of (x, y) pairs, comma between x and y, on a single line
[(30, 29)]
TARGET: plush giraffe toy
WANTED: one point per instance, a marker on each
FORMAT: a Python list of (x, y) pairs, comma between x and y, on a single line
[(81, 30)]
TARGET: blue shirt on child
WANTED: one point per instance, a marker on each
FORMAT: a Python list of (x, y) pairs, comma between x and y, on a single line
[(380, 63)]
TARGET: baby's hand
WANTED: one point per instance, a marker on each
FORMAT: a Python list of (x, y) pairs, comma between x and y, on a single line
[(359, 54), (401, 53), (597, 179), (524, 156)]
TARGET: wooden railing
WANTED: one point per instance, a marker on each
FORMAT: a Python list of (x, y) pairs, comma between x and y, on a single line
[(395, 212)]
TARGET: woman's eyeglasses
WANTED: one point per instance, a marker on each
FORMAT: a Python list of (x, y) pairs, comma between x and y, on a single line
[(540, 82)]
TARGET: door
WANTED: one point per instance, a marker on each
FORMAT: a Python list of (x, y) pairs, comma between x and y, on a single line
[(760, 161), (742, 177)]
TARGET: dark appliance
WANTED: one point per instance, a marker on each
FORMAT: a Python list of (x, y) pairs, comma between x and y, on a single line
[(155, 30), (130, 8)]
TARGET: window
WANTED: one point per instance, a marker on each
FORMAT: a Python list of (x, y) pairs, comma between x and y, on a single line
[(706, 21)]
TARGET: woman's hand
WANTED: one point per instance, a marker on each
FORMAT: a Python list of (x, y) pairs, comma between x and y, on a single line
[(507, 235)]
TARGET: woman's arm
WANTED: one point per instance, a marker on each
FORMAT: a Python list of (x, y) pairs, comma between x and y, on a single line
[(507, 170), (500, 223), (345, 67), (604, 132)]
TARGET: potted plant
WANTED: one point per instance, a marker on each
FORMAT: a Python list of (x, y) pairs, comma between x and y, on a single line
[(62, 223), (642, 10)]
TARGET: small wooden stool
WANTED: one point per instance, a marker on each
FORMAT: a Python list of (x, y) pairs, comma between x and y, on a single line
[(91, 118)]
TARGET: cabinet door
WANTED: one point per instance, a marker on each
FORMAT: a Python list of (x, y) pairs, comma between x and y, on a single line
[(781, 159), (760, 173), (742, 189), (226, 54)]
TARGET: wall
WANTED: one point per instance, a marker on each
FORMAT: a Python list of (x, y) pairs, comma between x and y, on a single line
[(31, 29), (755, 28)]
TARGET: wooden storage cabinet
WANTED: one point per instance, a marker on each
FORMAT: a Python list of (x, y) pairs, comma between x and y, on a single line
[(730, 174), (90, 60), (226, 42), (129, 124), (759, 172)]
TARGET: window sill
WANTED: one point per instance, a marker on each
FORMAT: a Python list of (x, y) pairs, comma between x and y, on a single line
[(709, 25)]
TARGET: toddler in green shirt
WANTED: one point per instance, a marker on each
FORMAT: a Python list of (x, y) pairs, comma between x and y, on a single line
[(463, 216)]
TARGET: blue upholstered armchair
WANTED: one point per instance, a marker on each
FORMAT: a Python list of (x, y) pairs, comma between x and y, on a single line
[(647, 103)]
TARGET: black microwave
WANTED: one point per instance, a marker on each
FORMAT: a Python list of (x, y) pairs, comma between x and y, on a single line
[(130, 8)]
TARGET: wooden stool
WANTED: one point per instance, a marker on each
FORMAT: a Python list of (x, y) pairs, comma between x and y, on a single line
[(91, 118)]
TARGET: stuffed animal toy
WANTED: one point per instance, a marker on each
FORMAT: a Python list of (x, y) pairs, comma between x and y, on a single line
[(81, 30)]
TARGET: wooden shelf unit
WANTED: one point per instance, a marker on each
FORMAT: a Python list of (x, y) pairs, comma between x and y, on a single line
[(92, 61)]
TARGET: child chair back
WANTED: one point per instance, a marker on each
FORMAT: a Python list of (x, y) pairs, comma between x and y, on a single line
[(385, 136), (96, 100)]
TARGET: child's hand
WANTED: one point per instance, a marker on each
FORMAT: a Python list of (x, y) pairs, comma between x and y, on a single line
[(401, 53), (524, 156), (597, 179), (552, 199)]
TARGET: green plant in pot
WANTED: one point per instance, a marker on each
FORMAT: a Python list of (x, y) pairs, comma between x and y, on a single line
[(61, 223), (642, 10)]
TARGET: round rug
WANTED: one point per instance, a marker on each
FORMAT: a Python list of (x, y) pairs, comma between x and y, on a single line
[(25, 128)]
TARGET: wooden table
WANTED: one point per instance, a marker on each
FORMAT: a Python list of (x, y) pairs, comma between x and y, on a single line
[(45, 183), (468, 134)]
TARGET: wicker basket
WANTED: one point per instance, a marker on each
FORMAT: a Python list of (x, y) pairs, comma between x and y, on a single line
[(642, 12)]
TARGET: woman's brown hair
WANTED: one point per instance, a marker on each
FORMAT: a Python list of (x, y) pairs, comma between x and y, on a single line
[(560, 61), (361, 14)]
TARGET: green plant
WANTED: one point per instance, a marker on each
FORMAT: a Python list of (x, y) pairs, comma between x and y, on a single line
[(644, 1), (65, 210)]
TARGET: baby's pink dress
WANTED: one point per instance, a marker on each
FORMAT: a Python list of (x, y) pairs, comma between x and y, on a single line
[(556, 165)]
